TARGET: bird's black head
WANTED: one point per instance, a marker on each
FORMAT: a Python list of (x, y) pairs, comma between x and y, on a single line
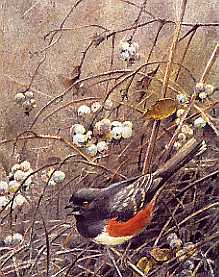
[(81, 200)]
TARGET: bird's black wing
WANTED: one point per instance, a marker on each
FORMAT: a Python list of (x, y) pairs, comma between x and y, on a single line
[(130, 199)]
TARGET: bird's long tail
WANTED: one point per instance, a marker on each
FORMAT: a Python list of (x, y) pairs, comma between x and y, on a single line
[(183, 156)]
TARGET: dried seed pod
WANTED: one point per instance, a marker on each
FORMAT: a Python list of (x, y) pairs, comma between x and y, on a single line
[(103, 127), (182, 137), (175, 243), (172, 236), (199, 87), (177, 145), (180, 112), (187, 130)]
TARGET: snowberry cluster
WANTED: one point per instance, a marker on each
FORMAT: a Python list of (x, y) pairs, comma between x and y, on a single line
[(204, 91), (104, 131), (187, 130), (185, 134), (19, 173), (6, 199), (183, 100), (129, 52), (185, 254), (26, 101), (13, 239)]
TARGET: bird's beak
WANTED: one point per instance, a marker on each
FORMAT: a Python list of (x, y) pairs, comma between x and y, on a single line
[(75, 209), (69, 206)]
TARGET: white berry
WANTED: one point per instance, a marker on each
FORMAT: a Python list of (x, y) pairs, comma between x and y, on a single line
[(117, 133), (19, 98), (102, 146), (127, 124), (15, 167), (19, 175), (79, 129), (83, 110), (3, 187), (25, 166), (95, 107), (203, 95), (19, 201), (58, 176), (29, 94), (79, 139), (177, 145), (3, 201), (171, 236), (92, 150), (209, 89), (200, 122), (182, 99), (13, 186), (126, 132)]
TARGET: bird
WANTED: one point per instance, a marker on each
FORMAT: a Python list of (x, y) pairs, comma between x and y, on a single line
[(113, 215)]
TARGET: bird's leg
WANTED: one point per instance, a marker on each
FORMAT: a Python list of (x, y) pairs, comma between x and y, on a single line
[(110, 255)]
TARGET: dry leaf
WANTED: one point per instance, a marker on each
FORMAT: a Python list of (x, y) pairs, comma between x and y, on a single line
[(146, 80), (162, 109), (69, 81), (146, 264), (150, 101), (161, 254)]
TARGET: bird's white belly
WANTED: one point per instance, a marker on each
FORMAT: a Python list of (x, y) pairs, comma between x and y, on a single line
[(106, 239)]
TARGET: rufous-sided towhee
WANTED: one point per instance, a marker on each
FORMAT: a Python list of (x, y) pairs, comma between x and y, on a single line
[(117, 213)]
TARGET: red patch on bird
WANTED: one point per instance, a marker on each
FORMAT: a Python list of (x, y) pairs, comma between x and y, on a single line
[(132, 226)]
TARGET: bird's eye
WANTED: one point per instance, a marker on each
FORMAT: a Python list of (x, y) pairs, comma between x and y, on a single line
[(85, 204)]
